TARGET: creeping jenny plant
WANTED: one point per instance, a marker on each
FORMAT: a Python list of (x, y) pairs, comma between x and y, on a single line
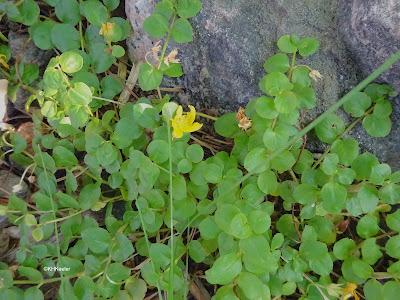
[(265, 219)]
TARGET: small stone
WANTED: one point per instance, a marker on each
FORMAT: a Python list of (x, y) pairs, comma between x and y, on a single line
[(7, 182)]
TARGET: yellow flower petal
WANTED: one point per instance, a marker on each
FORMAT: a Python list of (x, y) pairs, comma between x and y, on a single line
[(179, 112), (194, 127), (3, 61), (192, 114)]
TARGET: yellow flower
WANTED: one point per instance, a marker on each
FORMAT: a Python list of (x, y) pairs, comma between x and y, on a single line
[(106, 28), (184, 123), (350, 292), (3, 61), (170, 58)]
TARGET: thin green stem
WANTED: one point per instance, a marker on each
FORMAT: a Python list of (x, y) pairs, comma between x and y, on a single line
[(52, 207), (148, 244), (44, 281), (187, 264), (64, 218), (81, 36), (171, 271), (292, 66), (166, 43), (351, 126), (318, 120), (206, 116)]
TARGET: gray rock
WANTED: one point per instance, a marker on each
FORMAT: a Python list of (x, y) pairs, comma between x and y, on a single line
[(7, 181), (224, 63), (31, 54), (371, 31)]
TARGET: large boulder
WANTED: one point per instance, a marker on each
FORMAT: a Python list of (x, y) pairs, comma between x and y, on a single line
[(224, 63), (371, 31)]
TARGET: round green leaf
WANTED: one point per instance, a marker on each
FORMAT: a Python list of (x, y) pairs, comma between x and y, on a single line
[(286, 102), (227, 125), (390, 193), (106, 154), (308, 46), (96, 239), (182, 32), (267, 182), (286, 45), (283, 162), (301, 75), (265, 107), (393, 246), (305, 95), (157, 151), (347, 149), (330, 164), (367, 226), (95, 12), (67, 11), (255, 160), (111, 4), (275, 138), (274, 83), (277, 63), (80, 94), (63, 157), (225, 269), (329, 128), (362, 269), (358, 104), (117, 51), (259, 221), (71, 62), (212, 173), (251, 286), (40, 33), (156, 25), (377, 127), (382, 109), (65, 37), (393, 221), (363, 165), (334, 197), (380, 173), (342, 248), (188, 8), (196, 251), (149, 78), (195, 153), (306, 193)]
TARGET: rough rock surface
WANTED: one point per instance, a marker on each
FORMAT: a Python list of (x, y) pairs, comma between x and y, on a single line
[(224, 63), (371, 31), (30, 54), (233, 38), (7, 181)]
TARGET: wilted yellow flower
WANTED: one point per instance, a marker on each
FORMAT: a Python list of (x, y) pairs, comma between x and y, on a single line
[(350, 292), (3, 58), (184, 123), (315, 75), (155, 50), (244, 122), (106, 28), (170, 58)]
